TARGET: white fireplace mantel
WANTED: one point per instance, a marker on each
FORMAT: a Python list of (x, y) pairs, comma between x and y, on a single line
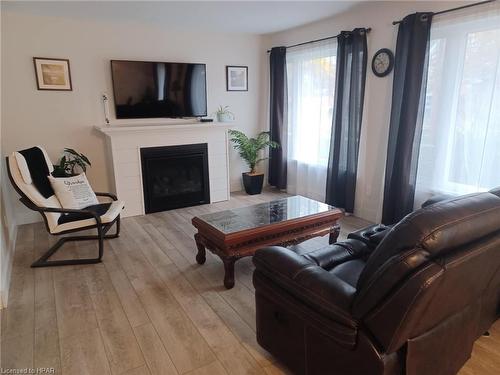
[(126, 140), (138, 127)]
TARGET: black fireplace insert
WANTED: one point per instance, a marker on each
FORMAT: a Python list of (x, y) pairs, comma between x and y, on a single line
[(175, 176)]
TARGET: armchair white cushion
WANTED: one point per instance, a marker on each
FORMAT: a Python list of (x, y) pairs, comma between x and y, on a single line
[(23, 168)]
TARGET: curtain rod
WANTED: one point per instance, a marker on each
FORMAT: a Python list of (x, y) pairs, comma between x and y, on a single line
[(454, 9), (367, 30)]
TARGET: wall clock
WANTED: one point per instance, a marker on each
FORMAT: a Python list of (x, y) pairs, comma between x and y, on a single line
[(383, 62)]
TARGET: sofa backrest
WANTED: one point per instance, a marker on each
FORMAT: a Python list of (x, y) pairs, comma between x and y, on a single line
[(496, 191), (431, 265)]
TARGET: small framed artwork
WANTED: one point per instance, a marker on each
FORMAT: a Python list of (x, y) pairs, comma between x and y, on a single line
[(52, 74), (237, 78)]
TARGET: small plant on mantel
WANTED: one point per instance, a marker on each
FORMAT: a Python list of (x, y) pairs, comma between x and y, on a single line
[(224, 114), (72, 162), (250, 150)]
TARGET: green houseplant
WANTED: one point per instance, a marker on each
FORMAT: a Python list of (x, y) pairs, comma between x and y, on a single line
[(70, 164), (250, 150), (224, 114)]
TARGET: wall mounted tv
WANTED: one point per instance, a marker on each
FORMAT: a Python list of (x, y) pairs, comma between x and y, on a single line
[(145, 89)]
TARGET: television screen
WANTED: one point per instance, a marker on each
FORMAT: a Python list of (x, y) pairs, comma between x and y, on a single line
[(145, 89)]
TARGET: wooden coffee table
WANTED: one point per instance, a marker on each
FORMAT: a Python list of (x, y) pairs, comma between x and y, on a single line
[(237, 233)]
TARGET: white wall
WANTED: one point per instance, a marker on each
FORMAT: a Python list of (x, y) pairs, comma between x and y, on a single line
[(378, 94), (8, 233), (66, 119), (8, 227)]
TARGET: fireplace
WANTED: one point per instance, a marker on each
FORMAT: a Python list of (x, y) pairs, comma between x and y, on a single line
[(126, 140), (175, 176)]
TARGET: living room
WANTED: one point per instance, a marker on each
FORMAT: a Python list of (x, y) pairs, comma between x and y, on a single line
[(334, 140)]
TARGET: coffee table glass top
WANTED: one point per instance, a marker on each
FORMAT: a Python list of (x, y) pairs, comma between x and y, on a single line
[(238, 219)]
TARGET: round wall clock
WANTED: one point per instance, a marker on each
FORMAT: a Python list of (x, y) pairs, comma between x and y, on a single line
[(383, 62)]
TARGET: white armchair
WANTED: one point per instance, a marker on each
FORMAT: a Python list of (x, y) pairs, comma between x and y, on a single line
[(59, 220)]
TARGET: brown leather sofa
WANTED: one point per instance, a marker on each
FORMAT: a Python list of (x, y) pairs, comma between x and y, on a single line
[(412, 301)]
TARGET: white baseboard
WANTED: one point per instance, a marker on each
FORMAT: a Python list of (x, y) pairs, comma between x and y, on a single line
[(7, 272)]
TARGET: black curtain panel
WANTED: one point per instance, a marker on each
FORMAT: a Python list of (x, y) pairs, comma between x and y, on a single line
[(347, 117), (278, 111), (408, 99)]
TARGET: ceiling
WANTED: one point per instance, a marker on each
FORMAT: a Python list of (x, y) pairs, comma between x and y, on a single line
[(256, 17)]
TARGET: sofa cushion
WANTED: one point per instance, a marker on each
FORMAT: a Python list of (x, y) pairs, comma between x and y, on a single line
[(349, 271)]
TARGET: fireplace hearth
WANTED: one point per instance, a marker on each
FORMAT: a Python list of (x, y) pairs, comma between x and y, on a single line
[(175, 176)]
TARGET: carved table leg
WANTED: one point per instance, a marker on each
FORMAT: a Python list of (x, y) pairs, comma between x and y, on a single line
[(229, 272), (334, 233), (201, 256)]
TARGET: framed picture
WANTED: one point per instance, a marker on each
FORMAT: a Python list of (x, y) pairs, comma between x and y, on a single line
[(52, 74), (237, 78)]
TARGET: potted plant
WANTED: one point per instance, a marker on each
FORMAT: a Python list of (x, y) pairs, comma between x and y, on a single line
[(224, 114), (250, 149), (70, 162)]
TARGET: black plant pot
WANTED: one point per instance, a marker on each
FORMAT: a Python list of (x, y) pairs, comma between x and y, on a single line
[(253, 183)]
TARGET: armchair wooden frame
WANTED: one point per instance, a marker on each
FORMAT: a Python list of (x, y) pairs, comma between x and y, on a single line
[(102, 229)]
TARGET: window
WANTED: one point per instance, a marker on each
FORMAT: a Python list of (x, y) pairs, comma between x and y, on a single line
[(311, 86), (460, 146)]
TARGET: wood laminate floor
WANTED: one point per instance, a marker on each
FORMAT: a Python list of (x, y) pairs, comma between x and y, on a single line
[(148, 308)]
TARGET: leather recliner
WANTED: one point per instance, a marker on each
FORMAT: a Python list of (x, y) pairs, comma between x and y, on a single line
[(412, 301)]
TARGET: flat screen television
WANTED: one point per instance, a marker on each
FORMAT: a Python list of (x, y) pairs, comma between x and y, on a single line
[(146, 89)]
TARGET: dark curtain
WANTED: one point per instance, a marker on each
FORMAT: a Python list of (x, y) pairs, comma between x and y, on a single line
[(347, 117), (278, 111), (408, 99)]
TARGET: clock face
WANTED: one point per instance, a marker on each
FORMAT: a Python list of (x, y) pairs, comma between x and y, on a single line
[(383, 62)]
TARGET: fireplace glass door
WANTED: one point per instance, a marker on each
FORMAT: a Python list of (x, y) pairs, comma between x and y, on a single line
[(175, 176)]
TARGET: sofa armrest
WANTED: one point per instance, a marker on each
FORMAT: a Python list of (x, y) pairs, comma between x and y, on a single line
[(371, 235), (308, 282), (330, 256)]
